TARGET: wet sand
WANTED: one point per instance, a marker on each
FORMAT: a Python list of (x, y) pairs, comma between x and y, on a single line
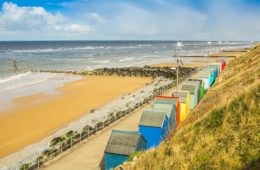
[(34, 117)]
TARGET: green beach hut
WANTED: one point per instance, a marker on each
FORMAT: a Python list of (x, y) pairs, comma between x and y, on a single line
[(202, 88), (206, 81)]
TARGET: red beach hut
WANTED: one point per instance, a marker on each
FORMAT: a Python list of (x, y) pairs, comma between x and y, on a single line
[(223, 64)]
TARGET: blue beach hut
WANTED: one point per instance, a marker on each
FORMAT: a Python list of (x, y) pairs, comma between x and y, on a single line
[(209, 73), (213, 71), (168, 105), (120, 145), (154, 126), (215, 67)]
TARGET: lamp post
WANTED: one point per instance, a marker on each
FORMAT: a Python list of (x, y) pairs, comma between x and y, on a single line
[(178, 51), (209, 43), (219, 49)]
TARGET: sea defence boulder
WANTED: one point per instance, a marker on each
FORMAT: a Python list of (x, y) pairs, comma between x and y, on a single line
[(120, 145)]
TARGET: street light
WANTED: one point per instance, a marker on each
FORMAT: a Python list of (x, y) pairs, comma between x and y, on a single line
[(209, 43), (219, 49), (177, 54)]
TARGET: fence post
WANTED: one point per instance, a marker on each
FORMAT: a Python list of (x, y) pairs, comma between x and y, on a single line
[(71, 142), (38, 162), (80, 137), (60, 147)]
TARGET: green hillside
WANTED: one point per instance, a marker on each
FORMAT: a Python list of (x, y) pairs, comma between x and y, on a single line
[(223, 132)]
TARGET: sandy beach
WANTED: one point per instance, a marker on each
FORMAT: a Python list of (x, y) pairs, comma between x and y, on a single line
[(34, 117), (231, 53), (174, 65)]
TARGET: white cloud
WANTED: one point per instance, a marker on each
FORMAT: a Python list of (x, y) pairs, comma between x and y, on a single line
[(95, 17), (15, 19), (220, 20), (77, 28), (158, 19)]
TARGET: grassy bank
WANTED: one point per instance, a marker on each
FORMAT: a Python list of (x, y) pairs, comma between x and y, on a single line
[(222, 132)]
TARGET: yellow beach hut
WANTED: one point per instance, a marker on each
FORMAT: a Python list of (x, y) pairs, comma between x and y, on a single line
[(184, 97)]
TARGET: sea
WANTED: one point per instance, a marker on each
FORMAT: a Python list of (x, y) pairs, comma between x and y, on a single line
[(84, 55)]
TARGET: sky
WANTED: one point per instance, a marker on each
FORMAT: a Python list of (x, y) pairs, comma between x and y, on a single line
[(218, 20)]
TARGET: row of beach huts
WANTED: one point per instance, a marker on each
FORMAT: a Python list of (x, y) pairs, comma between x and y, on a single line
[(165, 114)]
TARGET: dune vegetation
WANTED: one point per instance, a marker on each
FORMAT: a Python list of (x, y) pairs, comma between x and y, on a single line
[(222, 132)]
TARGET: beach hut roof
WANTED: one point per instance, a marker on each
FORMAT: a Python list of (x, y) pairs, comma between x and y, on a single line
[(211, 70), (204, 73), (202, 76), (152, 118), (195, 80), (189, 87), (164, 107), (181, 94), (163, 99), (124, 142)]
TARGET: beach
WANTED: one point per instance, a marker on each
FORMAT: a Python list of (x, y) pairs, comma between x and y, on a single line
[(31, 118)]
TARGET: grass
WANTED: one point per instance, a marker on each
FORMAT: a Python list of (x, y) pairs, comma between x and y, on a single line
[(222, 132)]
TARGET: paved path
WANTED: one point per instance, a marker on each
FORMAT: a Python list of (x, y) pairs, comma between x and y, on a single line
[(88, 154)]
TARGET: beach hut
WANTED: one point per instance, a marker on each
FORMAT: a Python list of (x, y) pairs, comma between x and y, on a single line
[(205, 79), (120, 145), (209, 73), (214, 71), (154, 126), (172, 104), (223, 63), (184, 97), (198, 86), (218, 66), (201, 84), (193, 89)]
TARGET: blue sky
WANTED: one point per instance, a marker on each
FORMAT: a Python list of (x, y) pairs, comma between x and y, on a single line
[(130, 20)]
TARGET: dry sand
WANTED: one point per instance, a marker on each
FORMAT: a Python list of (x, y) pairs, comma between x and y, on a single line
[(174, 65), (233, 54), (34, 117)]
